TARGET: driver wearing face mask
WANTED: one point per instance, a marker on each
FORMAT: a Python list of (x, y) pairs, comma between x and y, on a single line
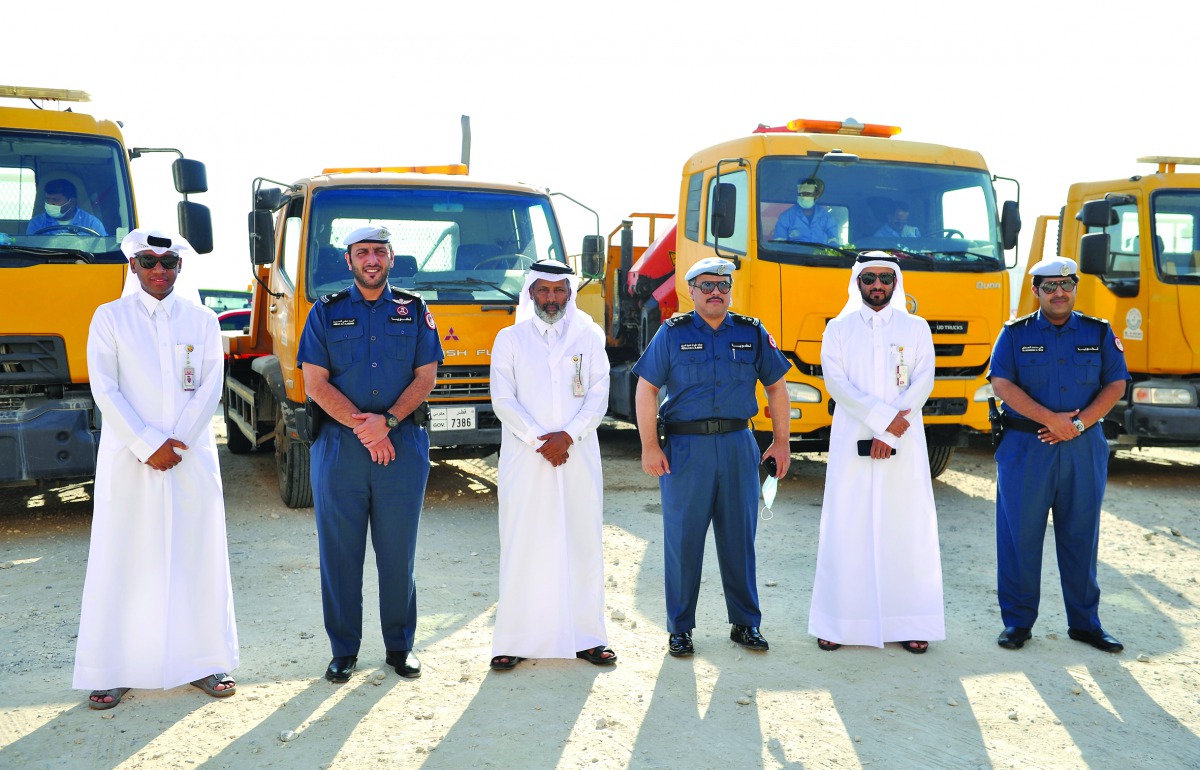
[(806, 221), (62, 215)]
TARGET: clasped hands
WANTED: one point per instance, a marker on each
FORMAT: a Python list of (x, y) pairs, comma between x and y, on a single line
[(1059, 428), (372, 430), (165, 457), (897, 427), (555, 447)]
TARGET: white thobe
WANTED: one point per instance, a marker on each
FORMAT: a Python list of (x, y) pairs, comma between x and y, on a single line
[(157, 600), (879, 574), (551, 558)]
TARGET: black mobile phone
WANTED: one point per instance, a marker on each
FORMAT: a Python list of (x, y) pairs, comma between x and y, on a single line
[(864, 448), (770, 466)]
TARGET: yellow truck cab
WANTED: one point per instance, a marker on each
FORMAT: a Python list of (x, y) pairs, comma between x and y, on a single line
[(737, 199), (1138, 250), (464, 245), (58, 263)]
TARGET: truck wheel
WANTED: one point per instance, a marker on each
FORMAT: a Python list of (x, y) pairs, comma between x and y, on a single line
[(291, 463), (939, 459), (234, 438)]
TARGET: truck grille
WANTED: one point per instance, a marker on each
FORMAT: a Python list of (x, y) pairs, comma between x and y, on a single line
[(33, 360), (457, 382)]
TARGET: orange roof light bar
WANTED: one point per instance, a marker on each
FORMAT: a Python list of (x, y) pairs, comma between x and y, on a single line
[(57, 94), (1167, 163), (459, 169), (849, 126)]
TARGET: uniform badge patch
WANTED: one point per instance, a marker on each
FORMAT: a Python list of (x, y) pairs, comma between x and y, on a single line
[(429, 320), (401, 310), (1117, 342), (771, 340)]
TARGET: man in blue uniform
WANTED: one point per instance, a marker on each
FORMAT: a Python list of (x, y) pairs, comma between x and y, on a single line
[(806, 222), (370, 355), (1058, 372), (62, 213), (709, 361)]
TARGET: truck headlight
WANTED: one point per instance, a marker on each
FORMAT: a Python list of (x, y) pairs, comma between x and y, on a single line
[(984, 392), (798, 392), (1164, 395)]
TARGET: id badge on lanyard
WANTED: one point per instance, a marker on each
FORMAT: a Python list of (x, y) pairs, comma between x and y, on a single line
[(577, 380), (901, 369), (189, 371)]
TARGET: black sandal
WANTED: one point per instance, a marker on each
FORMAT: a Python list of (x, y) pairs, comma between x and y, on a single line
[(827, 645), (911, 646), (115, 693), (595, 656), (210, 682), (498, 663)]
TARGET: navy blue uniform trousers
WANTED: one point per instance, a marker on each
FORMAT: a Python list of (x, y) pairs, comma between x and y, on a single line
[(350, 492), (1033, 478), (713, 479)]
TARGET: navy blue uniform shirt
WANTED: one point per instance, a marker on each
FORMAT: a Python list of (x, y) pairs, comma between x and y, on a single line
[(1063, 368), (710, 373), (371, 349)]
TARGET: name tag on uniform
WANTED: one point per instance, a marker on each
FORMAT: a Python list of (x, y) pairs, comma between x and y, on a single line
[(1087, 348), (1033, 348), (396, 319), (344, 322), (691, 346)]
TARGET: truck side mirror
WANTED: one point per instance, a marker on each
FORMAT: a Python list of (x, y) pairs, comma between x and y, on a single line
[(1010, 224), (1093, 252), (262, 237), (190, 176), (268, 198), (592, 263), (1097, 214), (724, 210), (195, 224)]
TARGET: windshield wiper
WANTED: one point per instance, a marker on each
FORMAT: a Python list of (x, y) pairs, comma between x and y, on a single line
[(50, 255), (913, 254), (458, 283), (826, 246)]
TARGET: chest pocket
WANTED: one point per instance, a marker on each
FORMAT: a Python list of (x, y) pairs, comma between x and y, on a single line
[(1033, 369), (694, 366), (345, 345), (400, 341), (1087, 368)]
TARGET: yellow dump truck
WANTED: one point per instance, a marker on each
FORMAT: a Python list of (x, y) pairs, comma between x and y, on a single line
[(66, 201), (933, 207), (463, 244), (1138, 250)]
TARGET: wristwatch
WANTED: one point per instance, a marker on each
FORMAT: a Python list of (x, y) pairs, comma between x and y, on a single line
[(1079, 426), (392, 421)]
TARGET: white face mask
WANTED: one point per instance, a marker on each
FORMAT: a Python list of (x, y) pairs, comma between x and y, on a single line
[(804, 202), (770, 485), (54, 211)]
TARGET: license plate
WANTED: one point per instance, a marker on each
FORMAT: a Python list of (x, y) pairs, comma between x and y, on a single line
[(452, 418)]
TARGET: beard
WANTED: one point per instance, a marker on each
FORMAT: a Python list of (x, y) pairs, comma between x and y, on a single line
[(546, 315), (873, 302)]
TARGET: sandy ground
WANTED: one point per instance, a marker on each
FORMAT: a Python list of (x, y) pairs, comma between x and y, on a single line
[(966, 704)]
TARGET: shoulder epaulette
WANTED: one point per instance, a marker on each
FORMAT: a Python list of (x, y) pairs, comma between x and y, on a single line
[(1022, 319), (1094, 318), (738, 318), (335, 296), (404, 296), (679, 318)]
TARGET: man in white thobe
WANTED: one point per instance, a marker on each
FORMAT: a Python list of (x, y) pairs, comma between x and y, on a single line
[(550, 390), (157, 600), (879, 575)]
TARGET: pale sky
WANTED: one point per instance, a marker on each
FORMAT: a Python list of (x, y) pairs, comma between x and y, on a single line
[(606, 101)]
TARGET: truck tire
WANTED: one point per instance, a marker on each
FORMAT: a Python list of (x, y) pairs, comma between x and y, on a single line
[(939, 459), (292, 466), (234, 438)]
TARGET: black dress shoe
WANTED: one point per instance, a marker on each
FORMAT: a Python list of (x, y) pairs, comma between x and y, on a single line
[(1098, 639), (405, 663), (749, 637), (680, 645), (1014, 637), (340, 668)]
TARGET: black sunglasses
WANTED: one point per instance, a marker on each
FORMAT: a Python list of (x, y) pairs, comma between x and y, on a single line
[(148, 261), (866, 279), (709, 286)]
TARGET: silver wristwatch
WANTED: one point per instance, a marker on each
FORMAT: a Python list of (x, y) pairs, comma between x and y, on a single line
[(1079, 426)]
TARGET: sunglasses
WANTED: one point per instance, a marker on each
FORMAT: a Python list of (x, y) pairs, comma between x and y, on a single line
[(148, 261), (709, 286), (1049, 287), (866, 279)]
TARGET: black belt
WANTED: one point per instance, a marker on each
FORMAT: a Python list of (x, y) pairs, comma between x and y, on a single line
[(1021, 424), (1029, 426), (705, 427)]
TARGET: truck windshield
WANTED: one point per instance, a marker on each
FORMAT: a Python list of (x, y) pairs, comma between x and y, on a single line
[(450, 245), (1177, 248), (940, 218), (63, 198)]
